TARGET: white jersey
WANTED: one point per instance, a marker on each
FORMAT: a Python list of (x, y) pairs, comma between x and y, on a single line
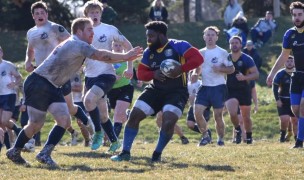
[(65, 60), (45, 38), (216, 56), (104, 35), (6, 69), (193, 87), (76, 80)]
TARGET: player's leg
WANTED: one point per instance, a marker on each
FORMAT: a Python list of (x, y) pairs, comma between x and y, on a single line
[(246, 111), (232, 106)]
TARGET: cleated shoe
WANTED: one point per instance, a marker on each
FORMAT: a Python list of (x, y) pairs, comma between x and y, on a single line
[(14, 154), (184, 140), (29, 146), (74, 139), (238, 137), (156, 157), (44, 156), (220, 143), (123, 156), (249, 141), (298, 144), (97, 140), (114, 146), (204, 141)]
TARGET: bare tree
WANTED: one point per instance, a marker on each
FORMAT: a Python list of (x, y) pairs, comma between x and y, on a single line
[(186, 10), (198, 11), (276, 8)]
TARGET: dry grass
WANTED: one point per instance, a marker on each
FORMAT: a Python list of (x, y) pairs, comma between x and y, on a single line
[(262, 160)]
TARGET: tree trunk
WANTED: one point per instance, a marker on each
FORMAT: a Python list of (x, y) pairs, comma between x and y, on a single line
[(276, 8), (186, 10), (198, 11)]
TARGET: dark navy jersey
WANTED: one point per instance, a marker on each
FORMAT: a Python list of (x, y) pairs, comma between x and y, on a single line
[(283, 79), (174, 49), (294, 40), (242, 65)]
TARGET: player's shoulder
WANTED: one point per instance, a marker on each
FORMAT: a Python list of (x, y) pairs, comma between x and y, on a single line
[(8, 63), (177, 42), (56, 27), (290, 31)]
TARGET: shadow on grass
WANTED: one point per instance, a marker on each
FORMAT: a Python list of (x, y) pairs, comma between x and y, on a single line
[(215, 167), (90, 154)]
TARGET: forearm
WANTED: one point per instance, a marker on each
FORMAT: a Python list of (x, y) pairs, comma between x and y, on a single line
[(275, 90), (227, 69)]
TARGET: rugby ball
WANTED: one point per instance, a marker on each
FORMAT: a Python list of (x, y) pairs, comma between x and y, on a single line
[(169, 68)]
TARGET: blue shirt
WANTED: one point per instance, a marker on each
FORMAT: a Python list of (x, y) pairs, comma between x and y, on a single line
[(283, 79)]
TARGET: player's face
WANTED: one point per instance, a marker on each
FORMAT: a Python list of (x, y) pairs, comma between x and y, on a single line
[(210, 37), (117, 47), (153, 40), (40, 16), (95, 15), (289, 64), (87, 34), (235, 45), (298, 17)]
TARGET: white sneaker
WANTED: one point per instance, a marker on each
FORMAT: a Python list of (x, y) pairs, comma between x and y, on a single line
[(74, 138), (91, 127), (29, 146)]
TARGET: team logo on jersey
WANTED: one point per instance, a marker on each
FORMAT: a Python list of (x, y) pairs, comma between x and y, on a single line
[(3, 73), (102, 38), (44, 35), (240, 63), (153, 65), (168, 52), (61, 29), (151, 56), (214, 60), (293, 36)]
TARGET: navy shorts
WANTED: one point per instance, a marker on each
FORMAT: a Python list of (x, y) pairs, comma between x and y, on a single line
[(104, 81), (16, 113), (40, 93), (214, 96), (24, 118), (286, 108), (124, 93), (66, 88), (7, 102), (157, 98), (191, 117), (242, 95)]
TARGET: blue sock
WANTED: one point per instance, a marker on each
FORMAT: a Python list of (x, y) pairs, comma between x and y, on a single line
[(301, 128), (6, 140), (129, 136), (95, 119), (55, 135), (109, 130), (81, 115), (117, 128), (163, 140), (21, 140)]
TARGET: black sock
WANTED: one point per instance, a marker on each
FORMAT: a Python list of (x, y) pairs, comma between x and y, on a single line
[(109, 130), (16, 129), (95, 119), (117, 128), (37, 136), (55, 135), (238, 128), (0, 146), (283, 134), (21, 140), (72, 132), (196, 129), (249, 135), (81, 115), (6, 140)]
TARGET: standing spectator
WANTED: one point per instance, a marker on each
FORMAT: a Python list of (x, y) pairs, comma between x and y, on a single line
[(262, 30), (158, 11), (280, 87), (108, 14), (239, 88), (232, 9), (239, 28), (252, 52)]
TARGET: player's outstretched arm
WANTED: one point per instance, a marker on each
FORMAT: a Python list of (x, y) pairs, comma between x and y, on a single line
[(111, 57)]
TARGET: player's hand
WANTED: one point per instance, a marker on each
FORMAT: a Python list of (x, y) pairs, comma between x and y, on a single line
[(279, 103), (22, 108), (11, 85), (134, 53), (176, 72), (128, 73), (216, 69), (29, 67), (240, 77), (255, 109), (118, 77), (158, 75), (269, 80)]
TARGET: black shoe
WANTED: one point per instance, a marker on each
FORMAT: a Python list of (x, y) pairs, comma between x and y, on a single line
[(184, 140), (44, 156), (14, 154), (299, 144), (249, 141), (156, 157), (238, 137)]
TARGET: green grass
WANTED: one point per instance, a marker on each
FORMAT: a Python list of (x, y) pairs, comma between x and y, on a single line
[(265, 159)]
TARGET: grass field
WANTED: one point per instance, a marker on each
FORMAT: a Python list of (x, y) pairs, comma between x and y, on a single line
[(265, 159)]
